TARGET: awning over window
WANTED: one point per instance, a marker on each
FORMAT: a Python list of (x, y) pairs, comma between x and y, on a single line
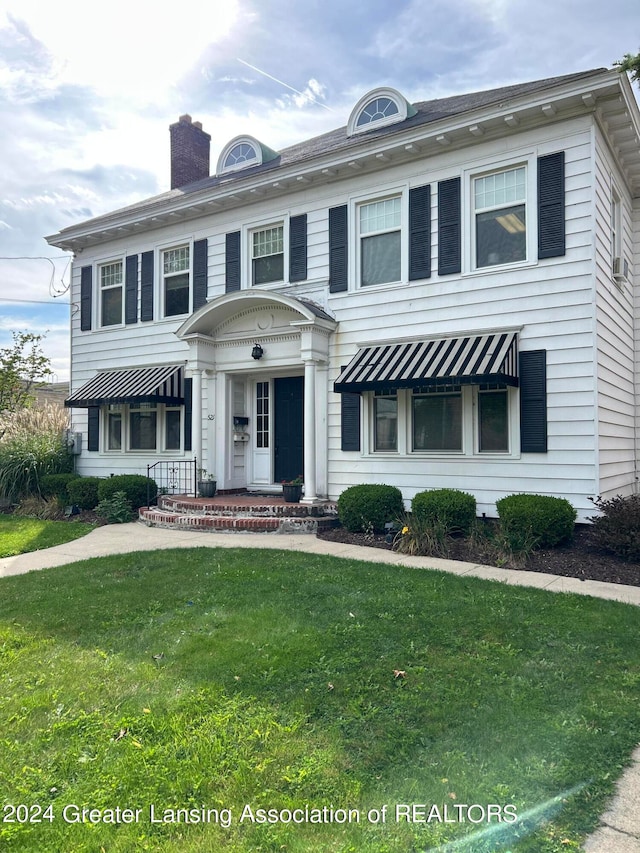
[(474, 359), (141, 385)]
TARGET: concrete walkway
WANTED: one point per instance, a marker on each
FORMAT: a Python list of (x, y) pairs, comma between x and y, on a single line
[(619, 830)]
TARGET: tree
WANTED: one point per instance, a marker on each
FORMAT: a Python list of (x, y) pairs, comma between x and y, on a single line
[(631, 64), (23, 368)]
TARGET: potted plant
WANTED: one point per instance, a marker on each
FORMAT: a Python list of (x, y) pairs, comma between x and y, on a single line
[(206, 484), (292, 490)]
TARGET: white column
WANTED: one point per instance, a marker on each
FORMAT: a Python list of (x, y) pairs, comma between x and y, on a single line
[(309, 432), (196, 416)]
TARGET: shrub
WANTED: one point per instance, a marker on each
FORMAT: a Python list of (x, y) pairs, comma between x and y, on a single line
[(369, 507), (454, 510), (83, 492), (535, 521), (618, 528), (33, 506), (422, 537), (115, 509), (135, 487), (55, 486), (32, 445)]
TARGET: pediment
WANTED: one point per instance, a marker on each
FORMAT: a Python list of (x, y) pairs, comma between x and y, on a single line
[(252, 322)]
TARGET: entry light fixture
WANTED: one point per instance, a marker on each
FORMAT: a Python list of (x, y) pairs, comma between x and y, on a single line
[(257, 352)]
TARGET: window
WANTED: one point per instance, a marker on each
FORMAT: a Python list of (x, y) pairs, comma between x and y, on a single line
[(262, 414), (376, 111), (380, 241), (616, 231), (242, 154), (176, 272), (500, 217), (267, 255), (493, 419), (437, 419), (379, 108), (111, 300), (385, 416), (144, 426)]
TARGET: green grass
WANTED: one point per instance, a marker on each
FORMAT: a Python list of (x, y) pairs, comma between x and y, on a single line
[(19, 535), (233, 678)]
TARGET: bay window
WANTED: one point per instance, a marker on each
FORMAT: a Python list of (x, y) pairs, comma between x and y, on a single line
[(143, 427)]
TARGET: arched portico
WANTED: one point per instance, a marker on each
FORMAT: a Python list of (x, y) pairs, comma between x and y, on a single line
[(282, 392)]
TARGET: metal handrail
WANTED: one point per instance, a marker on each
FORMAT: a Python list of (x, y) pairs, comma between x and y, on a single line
[(172, 477)]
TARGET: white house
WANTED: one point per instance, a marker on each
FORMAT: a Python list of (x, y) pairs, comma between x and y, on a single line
[(441, 294)]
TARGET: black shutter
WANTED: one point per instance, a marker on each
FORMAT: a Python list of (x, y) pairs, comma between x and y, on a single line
[(449, 252), (200, 261), (86, 296), (188, 412), (232, 262), (350, 421), (131, 289), (93, 428), (533, 401), (146, 286), (298, 248), (338, 254), (551, 207), (420, 232)]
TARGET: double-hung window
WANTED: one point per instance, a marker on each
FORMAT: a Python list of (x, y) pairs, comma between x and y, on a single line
[(379, 233), (385, 421), (500, 217), (493, 419), (267, 255), (111, 301), (176, 281)]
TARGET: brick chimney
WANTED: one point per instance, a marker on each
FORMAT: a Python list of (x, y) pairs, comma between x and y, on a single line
[(189, 152)]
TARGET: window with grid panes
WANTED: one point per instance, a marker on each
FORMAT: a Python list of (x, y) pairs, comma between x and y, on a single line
[(176, 271), (380, 241), (267, 255), (111, 301), (500, 217)]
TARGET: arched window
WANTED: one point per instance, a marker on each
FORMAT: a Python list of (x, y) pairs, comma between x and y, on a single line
[(377, 109), (240, 155), (242, 152)]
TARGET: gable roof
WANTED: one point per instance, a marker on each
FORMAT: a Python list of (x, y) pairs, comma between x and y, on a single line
[(338, 144)]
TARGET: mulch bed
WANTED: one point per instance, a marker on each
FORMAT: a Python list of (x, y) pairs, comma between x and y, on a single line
[(580, 559)]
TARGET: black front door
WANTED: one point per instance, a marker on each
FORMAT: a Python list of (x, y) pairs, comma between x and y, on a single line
[(288, 461)]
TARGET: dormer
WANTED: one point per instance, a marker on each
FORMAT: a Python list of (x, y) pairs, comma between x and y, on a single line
[(378, 108), (243, 152)]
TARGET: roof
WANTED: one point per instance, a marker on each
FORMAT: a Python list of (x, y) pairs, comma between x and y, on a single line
[(340, 144)]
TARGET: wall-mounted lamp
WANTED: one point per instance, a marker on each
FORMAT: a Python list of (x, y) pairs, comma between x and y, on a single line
[(257, 352)]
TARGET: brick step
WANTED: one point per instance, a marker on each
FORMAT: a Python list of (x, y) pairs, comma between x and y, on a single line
[(159, 517), (234, 506)]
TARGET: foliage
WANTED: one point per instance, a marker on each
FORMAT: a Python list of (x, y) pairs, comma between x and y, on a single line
[(296, 481), (55, 486), (135, 487), (369, 506), (19, 535), (630, 63), (280, 680), (31, 447), (83, 492), (535, 521), (451, 508), (427, 537), (617, 529), (33, 506), (22, 367), (115, 509)]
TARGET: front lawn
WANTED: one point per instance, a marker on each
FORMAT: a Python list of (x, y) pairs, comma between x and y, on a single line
[(373, 709), (18, 534)]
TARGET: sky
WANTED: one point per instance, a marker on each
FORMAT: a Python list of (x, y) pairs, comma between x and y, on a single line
[(88, 91)]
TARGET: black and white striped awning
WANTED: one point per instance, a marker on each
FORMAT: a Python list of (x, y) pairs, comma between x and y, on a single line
[(141, 385), (471, 359)]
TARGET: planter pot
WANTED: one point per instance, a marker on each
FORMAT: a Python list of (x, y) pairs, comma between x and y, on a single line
[(207, 488), (291, 494)]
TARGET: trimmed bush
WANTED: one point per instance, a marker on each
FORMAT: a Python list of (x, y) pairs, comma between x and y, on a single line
[(369, 507), (134, 487), (83, 492), (55, 486), (618, 528), (547, 520), (454, 510)]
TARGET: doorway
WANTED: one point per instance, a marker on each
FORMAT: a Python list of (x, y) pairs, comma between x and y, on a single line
[(288, 428)]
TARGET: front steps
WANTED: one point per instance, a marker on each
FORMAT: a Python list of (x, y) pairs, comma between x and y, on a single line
[(240, 513)]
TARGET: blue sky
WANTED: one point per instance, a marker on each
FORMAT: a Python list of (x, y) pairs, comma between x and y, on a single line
[(87, 93)]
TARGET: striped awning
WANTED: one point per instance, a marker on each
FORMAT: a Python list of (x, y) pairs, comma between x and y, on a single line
[(141, 385), (471, 359)]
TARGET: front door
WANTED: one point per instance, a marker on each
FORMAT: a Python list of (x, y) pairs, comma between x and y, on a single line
[(288, 452)]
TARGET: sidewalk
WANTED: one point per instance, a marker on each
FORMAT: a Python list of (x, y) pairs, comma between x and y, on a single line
[(619, 830)]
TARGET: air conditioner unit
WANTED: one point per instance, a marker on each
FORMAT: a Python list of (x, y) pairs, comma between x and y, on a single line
[(620, 269)]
